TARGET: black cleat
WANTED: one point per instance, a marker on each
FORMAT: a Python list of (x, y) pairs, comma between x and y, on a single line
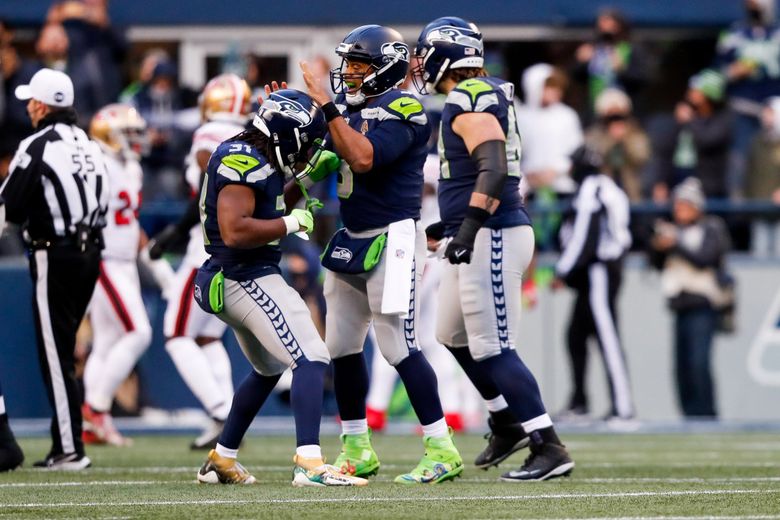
[(64, 462), (546, 461), (503, 441), (11, 456)]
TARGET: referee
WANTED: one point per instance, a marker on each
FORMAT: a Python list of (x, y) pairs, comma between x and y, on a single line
[(57, 191), (594, 242)]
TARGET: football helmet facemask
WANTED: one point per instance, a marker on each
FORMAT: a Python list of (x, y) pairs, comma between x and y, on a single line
[(295, 126), (383, 49), (226, 97), (120, 129), (445, 43)]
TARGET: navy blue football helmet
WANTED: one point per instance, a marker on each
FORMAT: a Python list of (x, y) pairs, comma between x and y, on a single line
[(381, 47), (446, 43), (295, 126)]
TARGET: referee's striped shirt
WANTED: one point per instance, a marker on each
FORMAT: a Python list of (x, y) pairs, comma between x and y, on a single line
[(600, 228), (57, 181)]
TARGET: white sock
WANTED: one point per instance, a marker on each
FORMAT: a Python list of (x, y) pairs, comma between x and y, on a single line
[(93, 372), (497, 404), (116, 366), (436, 429), (226, 452), (309, 451), (2, 405), (355, 427), (220, 366), (537, 423), (193, 366)]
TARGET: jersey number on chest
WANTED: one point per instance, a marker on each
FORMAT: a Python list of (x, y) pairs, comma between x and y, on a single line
[(126, 213)]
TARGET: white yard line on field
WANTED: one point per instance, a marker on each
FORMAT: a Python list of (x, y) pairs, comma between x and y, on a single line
[(589, 480), (353, 499), (679, 464), (77, 483), (594, 464)]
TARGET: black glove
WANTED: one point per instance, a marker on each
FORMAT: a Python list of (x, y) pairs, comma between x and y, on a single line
[(435, 231), (163, 241), (459, 252), (460, 248)]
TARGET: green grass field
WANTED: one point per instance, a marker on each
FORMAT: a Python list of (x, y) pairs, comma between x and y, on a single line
[(721, 476)]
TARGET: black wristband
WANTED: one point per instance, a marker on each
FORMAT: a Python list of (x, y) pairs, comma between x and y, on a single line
[(471, 224), (478, 214), (330, 111)]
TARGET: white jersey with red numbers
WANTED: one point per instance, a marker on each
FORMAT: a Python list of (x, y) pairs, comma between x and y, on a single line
[(122, 231), (206, 138)]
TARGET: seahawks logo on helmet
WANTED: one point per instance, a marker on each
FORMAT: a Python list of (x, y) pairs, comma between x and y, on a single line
[(397, 50), (454, 35), (292, 109)]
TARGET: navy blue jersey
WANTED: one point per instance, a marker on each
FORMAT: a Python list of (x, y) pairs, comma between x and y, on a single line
[(398, 129), (236, 162), (459, 172)]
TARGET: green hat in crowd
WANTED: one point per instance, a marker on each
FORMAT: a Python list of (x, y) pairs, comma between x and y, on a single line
[(711, 83)]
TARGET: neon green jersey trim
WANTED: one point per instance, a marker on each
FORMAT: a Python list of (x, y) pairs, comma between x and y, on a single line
[(406, 106), (240, 162), (474, 87)]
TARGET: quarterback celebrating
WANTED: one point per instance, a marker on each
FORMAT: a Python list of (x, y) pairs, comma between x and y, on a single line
[(242, 213), (375, 263), (489, 243)]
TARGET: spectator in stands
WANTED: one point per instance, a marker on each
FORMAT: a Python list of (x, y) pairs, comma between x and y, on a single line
[(619, 139), (699, 141), (763, 179), (690, 251), (160, 101), (749, 55), (611, 60), (52, 46), (95, 52), (550, 130), (14, 121), (149, 61)]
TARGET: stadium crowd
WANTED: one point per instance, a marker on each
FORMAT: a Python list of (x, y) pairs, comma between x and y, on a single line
[(717, 148)]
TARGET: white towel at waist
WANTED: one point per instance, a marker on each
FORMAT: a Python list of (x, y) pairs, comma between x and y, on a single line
[(399, 262)]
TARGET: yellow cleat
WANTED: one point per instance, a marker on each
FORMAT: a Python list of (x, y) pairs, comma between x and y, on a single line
[(223, 470)]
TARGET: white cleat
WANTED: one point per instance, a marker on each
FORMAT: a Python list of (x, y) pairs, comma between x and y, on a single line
[(315, 473)]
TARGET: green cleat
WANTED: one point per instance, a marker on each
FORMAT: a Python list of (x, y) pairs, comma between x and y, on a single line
[(357, 457), (441, 462)]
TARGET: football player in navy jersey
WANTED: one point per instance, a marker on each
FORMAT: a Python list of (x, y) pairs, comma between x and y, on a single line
[(487, 243), (381, 133), (242, 211)]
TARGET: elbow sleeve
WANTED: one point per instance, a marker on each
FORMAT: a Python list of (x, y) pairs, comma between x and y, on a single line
[(490, 158)]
